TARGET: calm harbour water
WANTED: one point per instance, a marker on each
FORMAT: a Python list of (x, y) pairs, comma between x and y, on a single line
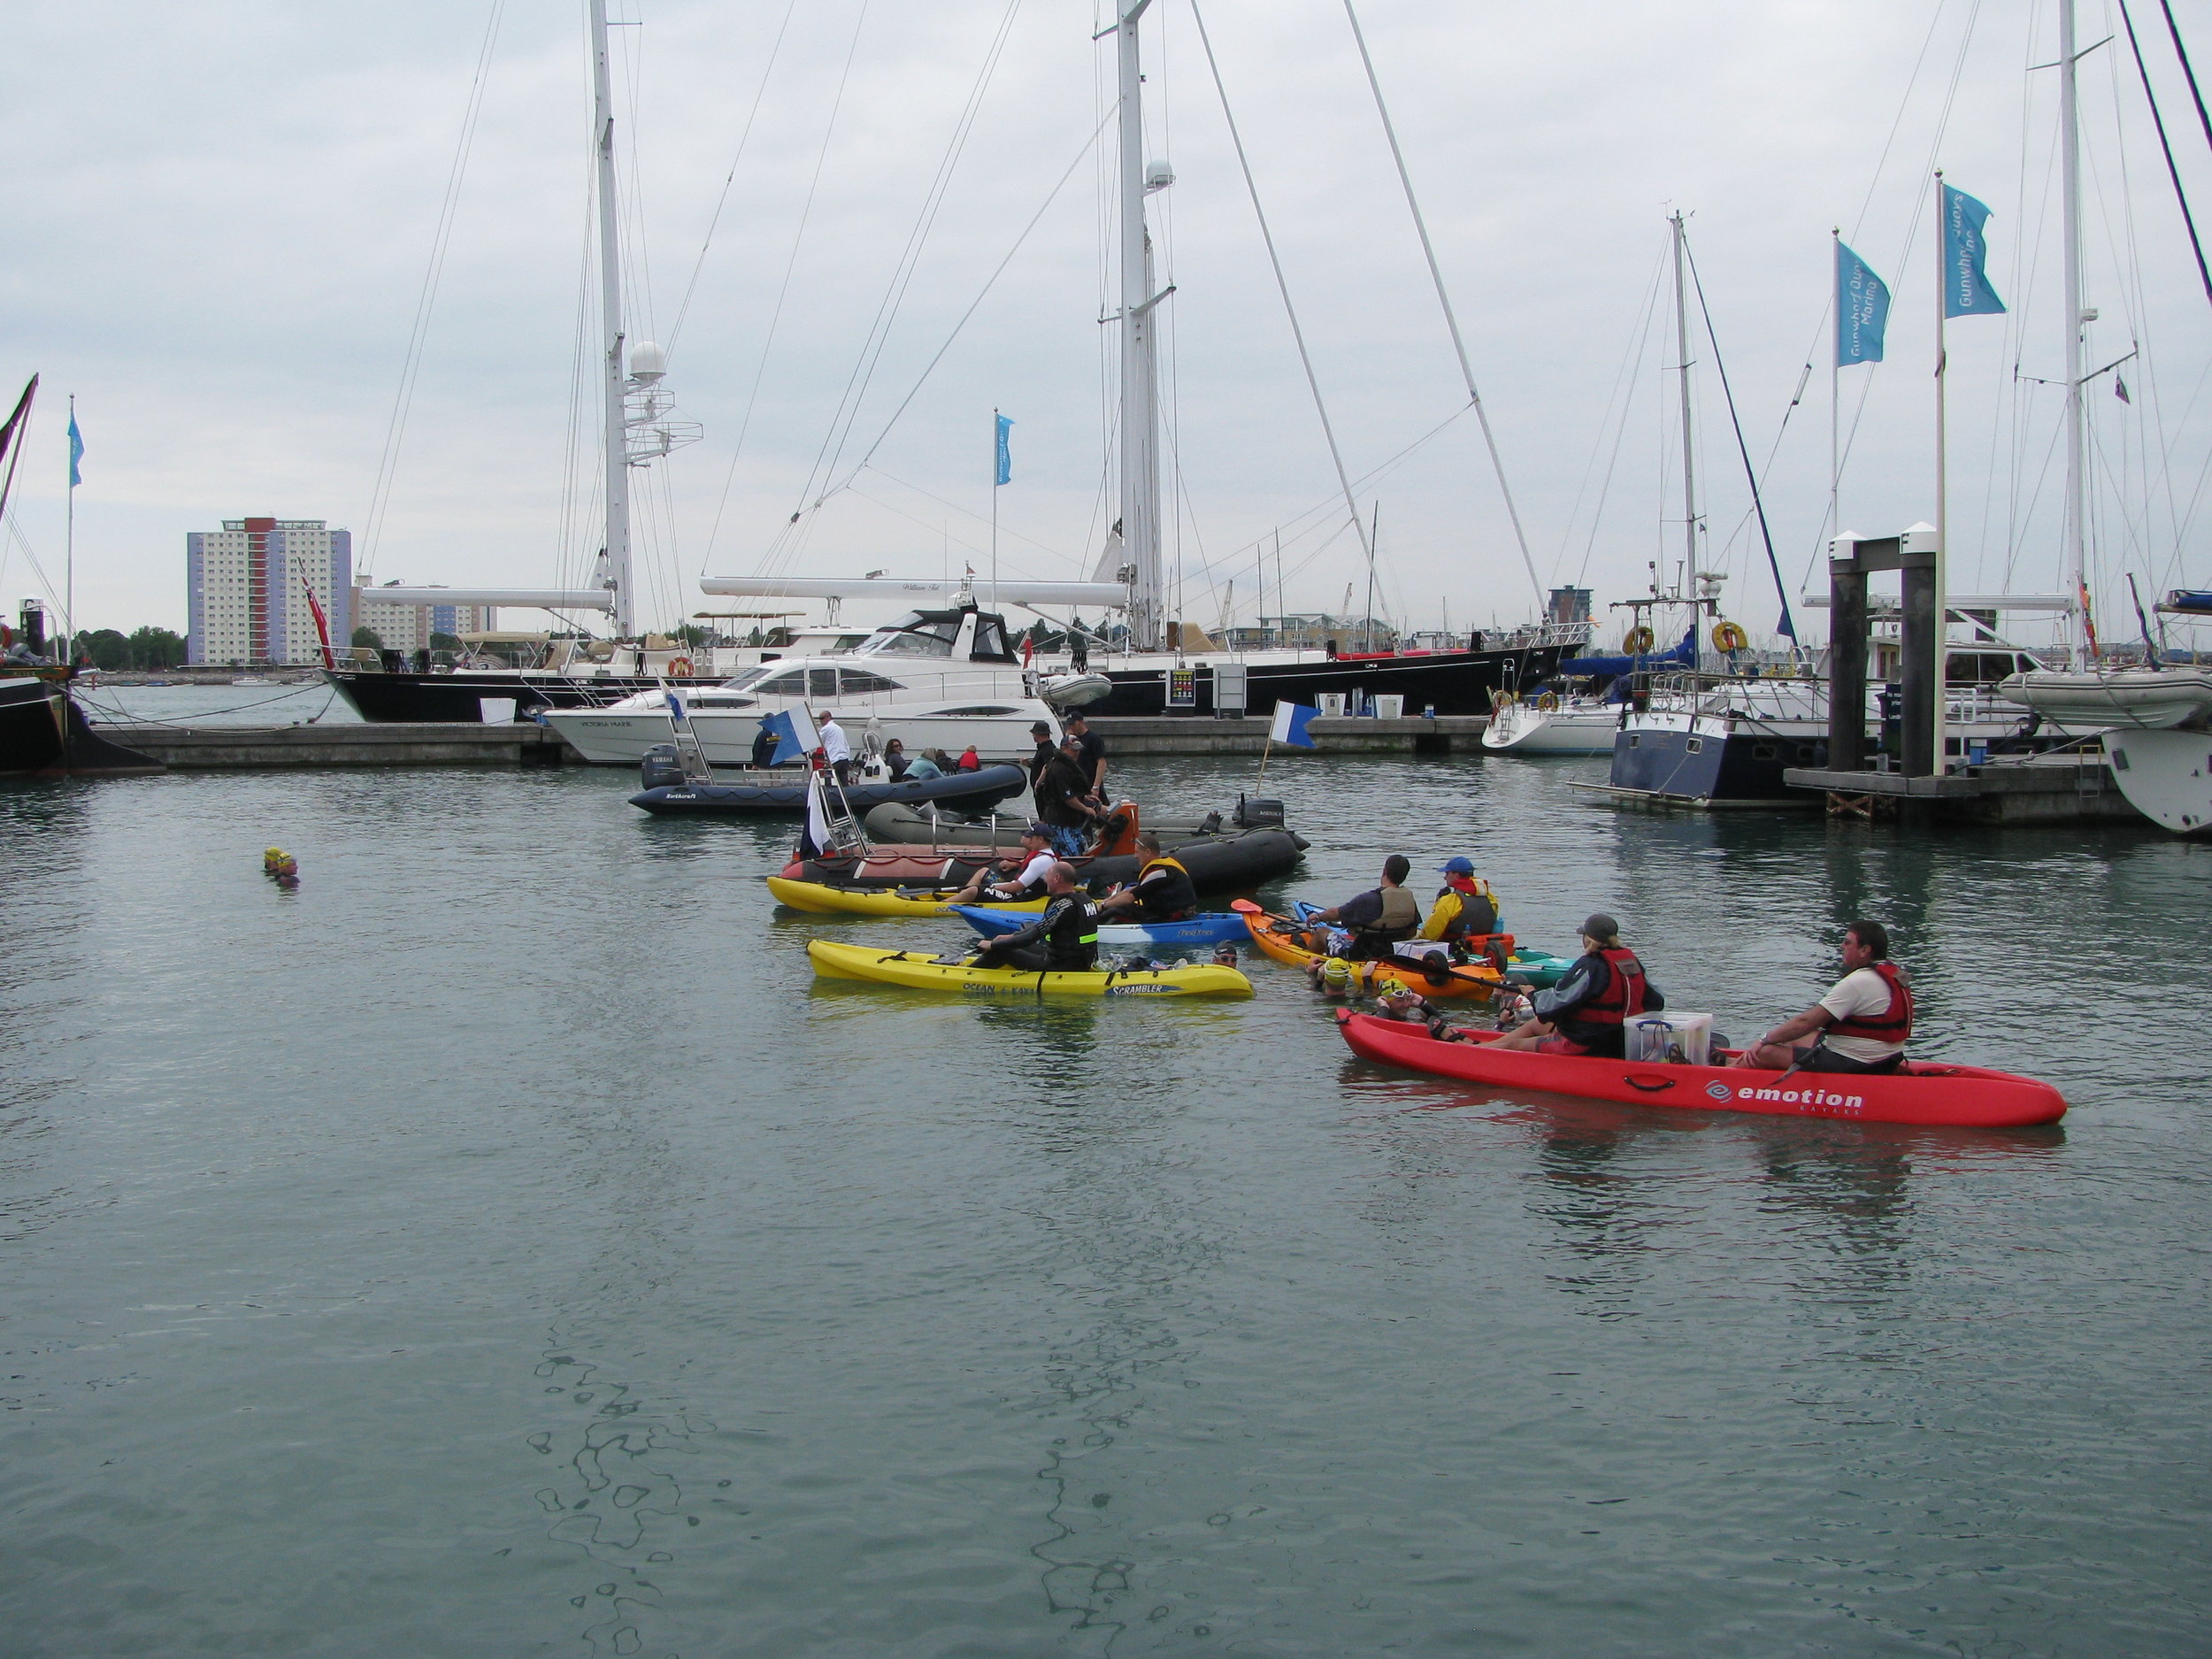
[(502, 1245)]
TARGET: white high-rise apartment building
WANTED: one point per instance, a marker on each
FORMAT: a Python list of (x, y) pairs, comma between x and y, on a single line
[(247, 585), (409, 627)]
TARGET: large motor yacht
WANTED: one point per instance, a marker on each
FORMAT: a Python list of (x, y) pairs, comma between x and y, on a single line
[(932, 678)]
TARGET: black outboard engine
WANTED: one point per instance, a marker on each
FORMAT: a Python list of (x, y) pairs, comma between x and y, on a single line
[(660, 768), (1259, 814)]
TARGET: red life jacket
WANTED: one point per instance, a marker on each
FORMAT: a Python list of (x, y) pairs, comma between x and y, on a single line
[(1894, 1024), (1623, 997)]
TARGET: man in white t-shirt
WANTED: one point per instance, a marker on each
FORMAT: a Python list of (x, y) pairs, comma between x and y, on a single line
[(835, 749), (1018, 878), (1861, 1024)]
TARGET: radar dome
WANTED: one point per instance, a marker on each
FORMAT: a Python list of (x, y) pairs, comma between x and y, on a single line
[(648, 361)]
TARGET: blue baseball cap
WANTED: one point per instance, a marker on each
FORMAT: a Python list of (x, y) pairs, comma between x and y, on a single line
[(1461, 866)]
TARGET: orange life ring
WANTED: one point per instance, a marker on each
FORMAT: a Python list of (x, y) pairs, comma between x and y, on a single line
[(1728, 637), (1639, 641), (680, 668)]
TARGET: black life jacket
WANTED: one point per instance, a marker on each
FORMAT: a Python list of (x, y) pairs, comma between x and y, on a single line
[(1894, 1023), (1170, 899), (1071, 935), (1623, 997)]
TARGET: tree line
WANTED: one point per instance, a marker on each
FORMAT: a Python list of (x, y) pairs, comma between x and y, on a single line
[(142, 648)]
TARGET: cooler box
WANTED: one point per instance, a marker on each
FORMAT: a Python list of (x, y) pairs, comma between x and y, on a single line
[(1670, 1038)]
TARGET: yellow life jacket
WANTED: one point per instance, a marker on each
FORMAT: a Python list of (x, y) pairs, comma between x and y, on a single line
[(1450, 902), (1161, 862)]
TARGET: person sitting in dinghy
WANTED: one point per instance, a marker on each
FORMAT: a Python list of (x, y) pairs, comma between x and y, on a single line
[(1587, 1011), (931, 763), (1020, 877), (1861, 1024), (1162, 891), (1063, 939)]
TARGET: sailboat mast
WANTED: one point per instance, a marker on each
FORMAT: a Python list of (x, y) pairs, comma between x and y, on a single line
[(614, 436), (2069, 191), (1682, 352), (1139, 364)]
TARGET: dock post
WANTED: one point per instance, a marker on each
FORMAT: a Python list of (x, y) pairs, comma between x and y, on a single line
[(1921, 649), (1847, 657)]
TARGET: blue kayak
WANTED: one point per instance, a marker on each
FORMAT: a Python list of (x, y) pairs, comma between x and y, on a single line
[(1223, 927)]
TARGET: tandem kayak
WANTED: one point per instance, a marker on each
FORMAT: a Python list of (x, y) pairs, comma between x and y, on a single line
[(1221, 927), (784, 791), (1923, 1092), (828, 901), (922, 972), (1217, 864), (1290, 942)]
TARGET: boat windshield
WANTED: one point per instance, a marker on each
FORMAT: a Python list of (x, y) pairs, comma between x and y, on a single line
[(750, 677), (912, 635)]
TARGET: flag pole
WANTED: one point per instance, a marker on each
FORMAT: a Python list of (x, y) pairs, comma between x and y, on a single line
[(69, 553), (994, 448), (1943, 479), (1835, 466)]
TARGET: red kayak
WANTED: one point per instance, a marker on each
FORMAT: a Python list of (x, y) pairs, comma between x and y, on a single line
[(1921, 1092)]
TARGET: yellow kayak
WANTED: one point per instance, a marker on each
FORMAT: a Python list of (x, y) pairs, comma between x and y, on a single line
[(923, 971), (827, 901)]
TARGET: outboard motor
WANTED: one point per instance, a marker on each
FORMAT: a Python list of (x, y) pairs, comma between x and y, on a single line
[(660, 768), (1259, 814)]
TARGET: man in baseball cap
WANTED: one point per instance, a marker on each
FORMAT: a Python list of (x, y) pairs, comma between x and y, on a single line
[(1587, 1011)]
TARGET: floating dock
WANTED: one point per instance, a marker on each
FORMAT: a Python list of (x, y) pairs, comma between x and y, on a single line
[(2071, 787), (1333, 734), (228, 747)]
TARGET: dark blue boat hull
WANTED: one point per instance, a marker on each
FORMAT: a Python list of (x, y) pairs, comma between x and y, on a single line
[(975, 791), (1712, 764)]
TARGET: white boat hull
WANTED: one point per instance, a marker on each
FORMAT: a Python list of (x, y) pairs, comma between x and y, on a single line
[(1522, 728), (2166, 775)]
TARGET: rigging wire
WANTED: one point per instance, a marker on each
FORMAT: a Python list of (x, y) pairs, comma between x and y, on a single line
[(1443, 298), (1758, 500), (2166, 149), (427, 298), (783, 291), (744, 137), (1282, 285), (879, 335), (973, 305)]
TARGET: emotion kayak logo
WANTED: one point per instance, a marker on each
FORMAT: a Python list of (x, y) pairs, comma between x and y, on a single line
[(1719, 1090)]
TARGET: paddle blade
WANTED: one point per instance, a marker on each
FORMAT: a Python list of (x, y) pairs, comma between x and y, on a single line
[(1245, 907)]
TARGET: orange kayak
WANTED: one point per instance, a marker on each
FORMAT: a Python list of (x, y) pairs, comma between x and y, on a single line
[(1290, 942)]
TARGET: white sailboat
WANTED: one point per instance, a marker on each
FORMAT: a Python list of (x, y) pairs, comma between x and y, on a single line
[(2161, 749)]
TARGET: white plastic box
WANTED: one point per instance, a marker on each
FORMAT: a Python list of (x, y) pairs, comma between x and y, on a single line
[(1332, 704), (1670, 1038), (1390, 706)]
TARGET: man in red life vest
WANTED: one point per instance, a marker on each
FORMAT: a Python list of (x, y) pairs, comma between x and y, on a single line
[(1585, 1012), (1861, 1025)]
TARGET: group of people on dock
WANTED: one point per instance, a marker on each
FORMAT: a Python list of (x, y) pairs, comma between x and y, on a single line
[(1861, 1024)]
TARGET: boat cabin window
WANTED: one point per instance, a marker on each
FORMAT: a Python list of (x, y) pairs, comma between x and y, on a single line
[(913, 634), (821, 685), (790, 683), (860, 682), (990, 639), (751, 678)]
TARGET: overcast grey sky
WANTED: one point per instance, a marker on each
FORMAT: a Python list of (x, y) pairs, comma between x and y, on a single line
[(221, 217)]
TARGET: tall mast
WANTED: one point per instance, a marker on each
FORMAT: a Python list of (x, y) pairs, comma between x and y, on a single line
[(2070, 193), (1689, 470), (1139, 364), (614, 433)]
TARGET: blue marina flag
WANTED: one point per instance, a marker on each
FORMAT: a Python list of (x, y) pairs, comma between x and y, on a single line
[(1291, 721), (795, 736), (76, 450), (1005, 473), (1862, 310), (1966, 290), (675, 701)]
